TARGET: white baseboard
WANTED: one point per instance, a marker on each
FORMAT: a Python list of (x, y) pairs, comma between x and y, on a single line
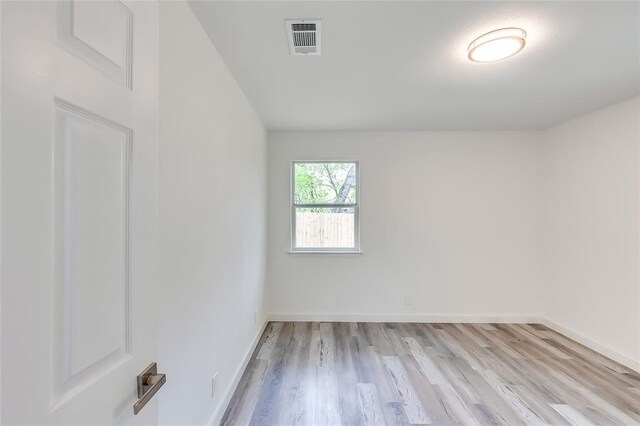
[(592, 344), (228, 394), (318, 317)]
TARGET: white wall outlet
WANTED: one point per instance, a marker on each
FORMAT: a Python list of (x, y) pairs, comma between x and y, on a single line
[(213, 384), (407, 300)]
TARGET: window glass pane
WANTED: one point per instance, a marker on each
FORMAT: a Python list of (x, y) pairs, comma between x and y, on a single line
[(325, 183), (325, 228)]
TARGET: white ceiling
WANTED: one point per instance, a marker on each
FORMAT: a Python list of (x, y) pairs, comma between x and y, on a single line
[(403, 65)]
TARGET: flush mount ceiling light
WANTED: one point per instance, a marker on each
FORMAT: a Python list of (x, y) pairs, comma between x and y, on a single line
[(497, 45)]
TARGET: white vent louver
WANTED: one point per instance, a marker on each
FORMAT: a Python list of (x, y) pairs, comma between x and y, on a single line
[(304, 36)]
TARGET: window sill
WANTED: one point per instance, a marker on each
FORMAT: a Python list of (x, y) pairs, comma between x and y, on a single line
[(351, 252)]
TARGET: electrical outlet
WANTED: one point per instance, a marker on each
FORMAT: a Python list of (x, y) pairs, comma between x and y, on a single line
[(407, 300), (213, 384)]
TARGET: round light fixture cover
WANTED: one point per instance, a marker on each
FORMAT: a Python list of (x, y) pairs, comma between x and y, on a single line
[(497, 45)]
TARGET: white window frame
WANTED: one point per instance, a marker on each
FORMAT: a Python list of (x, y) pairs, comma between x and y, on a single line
[(355, 206)]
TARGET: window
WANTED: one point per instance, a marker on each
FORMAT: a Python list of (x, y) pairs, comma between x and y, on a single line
[(324, 206)]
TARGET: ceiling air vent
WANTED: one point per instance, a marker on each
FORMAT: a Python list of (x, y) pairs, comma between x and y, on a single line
[(304, 36)]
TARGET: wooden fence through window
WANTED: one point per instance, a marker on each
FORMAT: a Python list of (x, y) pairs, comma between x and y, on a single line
[(324, 229)]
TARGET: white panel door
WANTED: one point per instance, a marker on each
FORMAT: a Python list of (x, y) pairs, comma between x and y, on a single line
[(79, 164)]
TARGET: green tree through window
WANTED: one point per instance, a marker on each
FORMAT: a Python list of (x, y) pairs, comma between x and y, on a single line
[(325, 183)]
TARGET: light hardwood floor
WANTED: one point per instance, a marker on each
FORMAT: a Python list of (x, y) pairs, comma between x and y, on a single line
[(317, 374)]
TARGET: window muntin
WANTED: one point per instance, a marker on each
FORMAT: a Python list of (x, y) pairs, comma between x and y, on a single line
[(324, 205)]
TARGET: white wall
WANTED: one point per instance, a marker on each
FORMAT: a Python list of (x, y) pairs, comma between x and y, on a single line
[(452, 220), (212, 220), (592, 220), (449, 219)]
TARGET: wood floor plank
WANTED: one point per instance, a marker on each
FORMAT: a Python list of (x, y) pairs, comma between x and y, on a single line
[(293, 409), (241, 410), (395, 415), (267, 404), (587, 353), (472, 334), (522, 409), (542, 343), (426, 392), (381, 376), (353, 329), (324, 400), (330, 374), (459, 411), (272, 333), (588, 397), (573, 416), (372, 411), (350, 412), (415, 412), (428, 367)]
